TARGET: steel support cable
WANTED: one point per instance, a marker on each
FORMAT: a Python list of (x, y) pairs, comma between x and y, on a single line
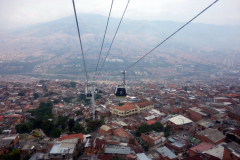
[(104, 37), (169, 37), (113, 38), (79, 36)]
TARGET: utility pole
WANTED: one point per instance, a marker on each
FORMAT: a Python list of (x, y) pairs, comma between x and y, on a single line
[(93, 102)]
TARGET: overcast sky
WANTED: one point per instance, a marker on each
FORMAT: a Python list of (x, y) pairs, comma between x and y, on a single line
[(16, 13)]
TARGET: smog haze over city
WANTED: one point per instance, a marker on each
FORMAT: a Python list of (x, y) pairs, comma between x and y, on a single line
[(119, 80), (40, 39)]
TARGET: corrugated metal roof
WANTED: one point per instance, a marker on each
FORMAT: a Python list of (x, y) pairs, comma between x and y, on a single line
[(180, 120), (118, 150), (165, 152), (142, 156)]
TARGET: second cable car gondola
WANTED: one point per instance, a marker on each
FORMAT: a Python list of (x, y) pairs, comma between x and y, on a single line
[(88, 92), (100, 92), (89, 95)]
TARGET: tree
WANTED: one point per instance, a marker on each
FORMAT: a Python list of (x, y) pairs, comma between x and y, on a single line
[(95, 124), (78, 128), (143, 129), (82, 97), (98, 96), (47, 126), (89, 129), (24, 127), (167, 128), (44, 110), (185, 88), (62, 121), (120, 104), (71, 124), (67, 99), (166, 133), (56, 101), (35, 96), (78, 113), (56, 133), (21, 93), (13, 155), (158, 127), (73, 84), (102, 117)]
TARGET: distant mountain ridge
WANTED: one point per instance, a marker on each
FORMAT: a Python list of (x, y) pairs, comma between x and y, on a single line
[(150, 32)]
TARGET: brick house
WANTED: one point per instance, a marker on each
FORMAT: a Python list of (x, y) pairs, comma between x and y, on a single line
[(211, 135), (152, 138), (179, 123), (116, 140), (200, 148), (205, 124), (95, 146), (120, 132), (79, 136), (166, 153), (221, 99), (196, 114), (231, 151), (105, 130), (235, 114), (8, 142)]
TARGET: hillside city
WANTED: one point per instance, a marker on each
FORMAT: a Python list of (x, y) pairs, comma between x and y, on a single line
[(178, 98), (158, 120)]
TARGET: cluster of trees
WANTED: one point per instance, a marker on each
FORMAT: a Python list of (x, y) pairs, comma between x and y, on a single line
[(158, 127), (35, 95), (72, 84), (94, 125), (24, 127), (121, 104), (98, 96), (13, 155), (67, 99), (50, 94), (21, 93), (51, 126), (83, 98)]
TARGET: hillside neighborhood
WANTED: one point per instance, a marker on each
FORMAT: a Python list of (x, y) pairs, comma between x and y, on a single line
[(53, 120)]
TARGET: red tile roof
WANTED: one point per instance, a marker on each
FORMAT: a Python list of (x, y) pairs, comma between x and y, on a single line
[(140, 104), (121, 133), (232, 95), (202, 147), (151, 122), (126, 107), (79, 135)]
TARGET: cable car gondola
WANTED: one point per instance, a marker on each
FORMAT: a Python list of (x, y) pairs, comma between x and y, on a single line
[(100, 92), (89, 95), (121, 90)]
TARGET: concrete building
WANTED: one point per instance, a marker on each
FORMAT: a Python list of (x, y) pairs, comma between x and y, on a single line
[(179, 123), (211, 135), (167, 153), (153, 138), (129, 109), (105, 130)]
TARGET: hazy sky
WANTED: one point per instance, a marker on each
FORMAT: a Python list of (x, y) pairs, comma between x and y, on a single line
[(15, 13)]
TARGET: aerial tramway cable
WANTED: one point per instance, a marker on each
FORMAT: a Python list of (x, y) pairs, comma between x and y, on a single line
[(104, 37), (79, 36), (113, 39), (168, 37)]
